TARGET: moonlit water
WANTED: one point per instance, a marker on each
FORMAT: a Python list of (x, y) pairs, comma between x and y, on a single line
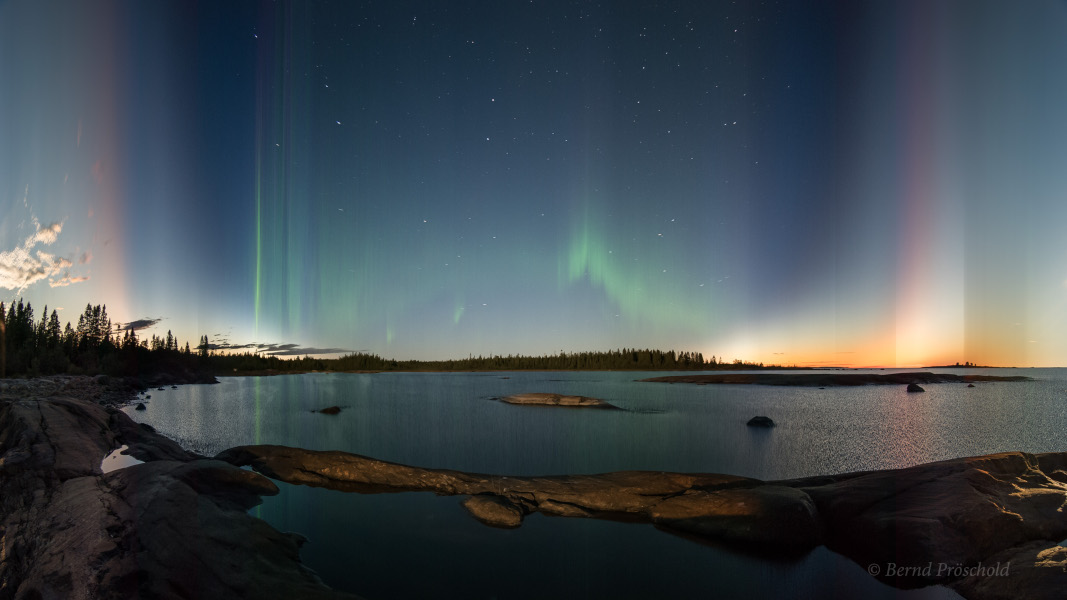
[(118, 459), (374, 544)]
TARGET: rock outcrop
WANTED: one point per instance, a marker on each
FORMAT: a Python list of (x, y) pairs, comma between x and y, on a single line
[(914, 387), (174, 527), (955, 515), (760, 421), (542, 399)]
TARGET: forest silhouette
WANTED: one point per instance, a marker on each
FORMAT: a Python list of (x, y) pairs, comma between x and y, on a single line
[(30, 347)]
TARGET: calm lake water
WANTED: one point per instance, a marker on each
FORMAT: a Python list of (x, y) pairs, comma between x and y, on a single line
[(416, 545)]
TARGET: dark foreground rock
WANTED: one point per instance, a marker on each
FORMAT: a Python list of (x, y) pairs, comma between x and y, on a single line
[(914, 387), (760, 421), (830, 379), (957, 514), (330, 410), (1002, 509), (174, 527), (542, 399)]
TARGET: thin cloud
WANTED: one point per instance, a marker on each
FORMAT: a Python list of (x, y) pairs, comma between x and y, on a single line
[(140, 324), (229, 346), (26, 264), (278, 349), (294, 350), (85, 258), (66, 280)]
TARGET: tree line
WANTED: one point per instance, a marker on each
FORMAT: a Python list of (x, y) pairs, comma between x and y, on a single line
[(623, 359), (31, 347)]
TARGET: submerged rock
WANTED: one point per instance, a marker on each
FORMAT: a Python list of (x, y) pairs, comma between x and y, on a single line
[(329, 410), (914, 387), (760, 422), (542, 399)]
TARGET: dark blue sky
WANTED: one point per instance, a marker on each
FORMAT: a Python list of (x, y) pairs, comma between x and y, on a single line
[(813, 182)]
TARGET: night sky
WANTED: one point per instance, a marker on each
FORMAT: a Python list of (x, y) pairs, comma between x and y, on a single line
[(852, 183)]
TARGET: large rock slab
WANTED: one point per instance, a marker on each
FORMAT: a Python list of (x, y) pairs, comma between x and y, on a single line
[(174, 527), (959, 517), (957, 513), (726, 507)]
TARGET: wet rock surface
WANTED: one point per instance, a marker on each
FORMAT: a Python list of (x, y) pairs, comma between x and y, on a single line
[(962, 513), (174, 527)]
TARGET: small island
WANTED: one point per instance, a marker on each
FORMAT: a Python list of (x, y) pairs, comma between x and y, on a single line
[(543, 399)]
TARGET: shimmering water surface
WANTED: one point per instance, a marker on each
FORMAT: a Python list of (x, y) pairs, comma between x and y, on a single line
[(418, 545)]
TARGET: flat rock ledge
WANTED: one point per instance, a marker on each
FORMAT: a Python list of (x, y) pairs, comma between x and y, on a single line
[(174, 527), (966, 513), (542, 399)]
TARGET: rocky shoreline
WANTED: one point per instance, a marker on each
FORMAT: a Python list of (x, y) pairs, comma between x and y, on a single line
[(177, 525)]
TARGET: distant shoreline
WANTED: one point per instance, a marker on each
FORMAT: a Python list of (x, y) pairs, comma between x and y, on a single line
[(733, 373), (833, 379), (274, 372)]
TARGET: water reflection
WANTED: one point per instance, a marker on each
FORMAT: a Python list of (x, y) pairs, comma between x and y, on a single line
[(415, 545)]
